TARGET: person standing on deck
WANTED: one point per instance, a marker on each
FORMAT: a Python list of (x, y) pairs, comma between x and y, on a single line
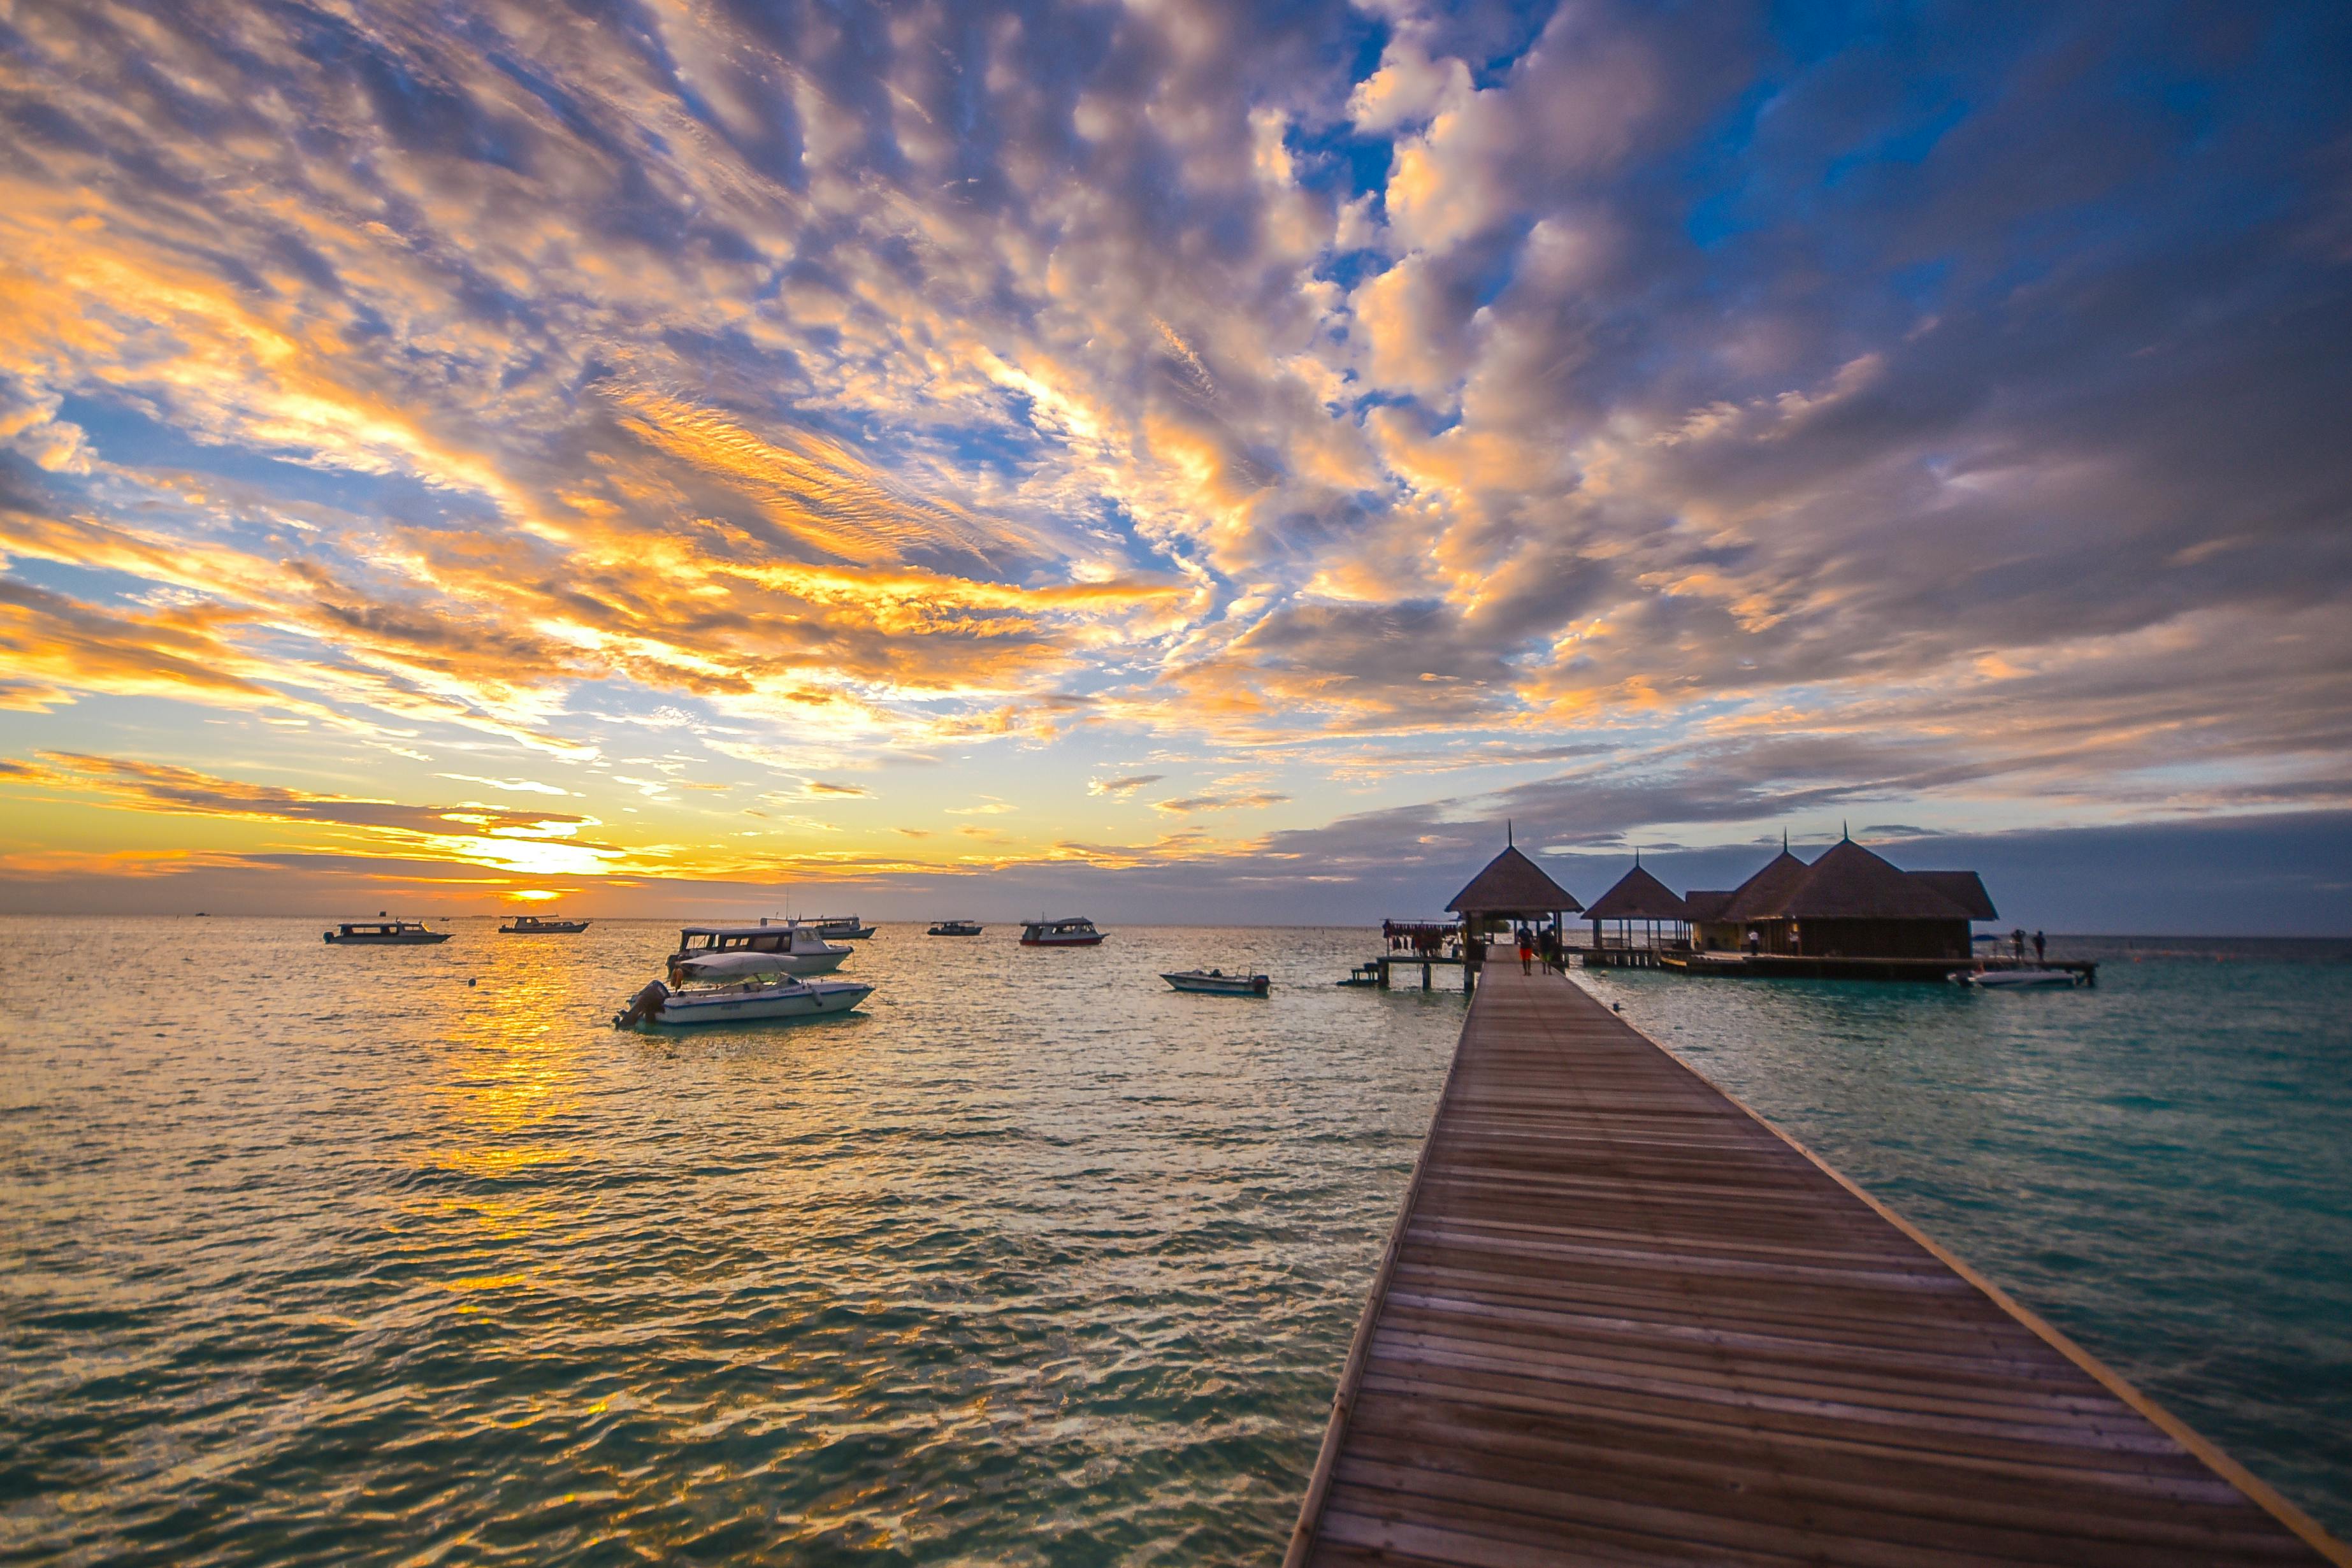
[(2041, 947), (2017, 941)]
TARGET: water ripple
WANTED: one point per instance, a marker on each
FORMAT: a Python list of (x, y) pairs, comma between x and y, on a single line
[(326, 1256)]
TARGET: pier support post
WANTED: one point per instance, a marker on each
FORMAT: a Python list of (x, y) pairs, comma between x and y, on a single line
[(1384, 974), (1424, 978)]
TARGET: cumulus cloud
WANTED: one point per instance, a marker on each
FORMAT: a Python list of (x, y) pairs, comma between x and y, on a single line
[(831, 390), (1232, 801)]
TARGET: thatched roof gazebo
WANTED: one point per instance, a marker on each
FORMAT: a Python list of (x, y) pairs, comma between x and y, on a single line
[(1639, 896), (1512, 891)]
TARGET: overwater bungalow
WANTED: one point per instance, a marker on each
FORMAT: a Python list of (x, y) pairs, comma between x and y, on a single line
[(1849, 904), (1511, 891), (1639, 900)]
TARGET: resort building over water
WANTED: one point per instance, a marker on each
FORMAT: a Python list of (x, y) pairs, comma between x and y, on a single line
[(1850, 904), (1848, 915)]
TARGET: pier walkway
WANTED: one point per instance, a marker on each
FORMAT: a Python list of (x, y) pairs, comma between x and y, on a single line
[(1623, 1320)]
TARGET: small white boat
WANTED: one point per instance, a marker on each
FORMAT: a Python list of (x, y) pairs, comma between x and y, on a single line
[(955, 928), (2016, 979), (785, 949), (383, 934), (1072, 932), (756, 997), (538, 925), (1217, 983)]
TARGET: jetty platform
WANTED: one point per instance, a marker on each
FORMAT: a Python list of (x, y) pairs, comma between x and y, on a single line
[(1623, 1320), (1800, 966)]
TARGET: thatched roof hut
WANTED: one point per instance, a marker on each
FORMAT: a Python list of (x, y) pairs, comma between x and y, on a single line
[(1707, 904), (1512, 887), (1965, 888), (1638, 896), (1759, 898), (1849, 902), (1849, 883), (1639, 899)]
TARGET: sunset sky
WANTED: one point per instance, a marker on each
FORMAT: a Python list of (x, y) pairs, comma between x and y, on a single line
[(1215, 461)]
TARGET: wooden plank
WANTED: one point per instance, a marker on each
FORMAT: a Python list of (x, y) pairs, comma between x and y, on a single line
[(1621, 1319)]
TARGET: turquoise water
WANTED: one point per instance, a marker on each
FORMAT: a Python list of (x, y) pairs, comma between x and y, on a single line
[(2161, 1165), (329, 1256)]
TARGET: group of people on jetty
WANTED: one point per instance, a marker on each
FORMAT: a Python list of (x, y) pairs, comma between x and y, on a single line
[(1426, 940)]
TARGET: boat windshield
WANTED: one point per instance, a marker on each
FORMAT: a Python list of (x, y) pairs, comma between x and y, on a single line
[(732, 966)]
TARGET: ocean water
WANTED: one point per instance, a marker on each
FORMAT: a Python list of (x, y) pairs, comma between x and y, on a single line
[(2160, 1165), (320, 1255), (326, 1255)]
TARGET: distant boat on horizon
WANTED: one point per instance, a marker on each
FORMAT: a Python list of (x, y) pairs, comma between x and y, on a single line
[(1073, 931), (955, 928), (383, 934), (535, 925), (835, 927)]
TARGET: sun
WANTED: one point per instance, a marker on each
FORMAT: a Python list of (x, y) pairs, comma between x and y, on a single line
[(529, 895)]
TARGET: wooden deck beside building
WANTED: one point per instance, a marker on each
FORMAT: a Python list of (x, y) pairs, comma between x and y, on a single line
[(1623, 1321)]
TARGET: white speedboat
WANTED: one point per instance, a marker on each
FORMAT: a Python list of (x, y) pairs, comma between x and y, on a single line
[(751, 997), (955, 928), (790, 949), (383, 934), (1217, 983), (1073, 932), (2016, 979)]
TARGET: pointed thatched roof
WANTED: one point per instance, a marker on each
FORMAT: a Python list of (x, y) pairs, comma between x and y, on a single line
[(1512, 884), (1759, 898), (1707, 904), (1964, 888), (1638, 896), (1849, 883)]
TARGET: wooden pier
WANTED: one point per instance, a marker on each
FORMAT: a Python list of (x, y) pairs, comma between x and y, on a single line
[(1621, 1320), (1619, 957), (1388, 963)]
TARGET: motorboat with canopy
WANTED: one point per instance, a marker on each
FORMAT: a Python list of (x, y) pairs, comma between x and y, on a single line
[(1073, 931), (1217, 983), (842, 927), (790, 949), (381, 933)]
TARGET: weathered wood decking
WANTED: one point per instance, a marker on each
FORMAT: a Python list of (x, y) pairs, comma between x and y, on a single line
[(1623, 1320)]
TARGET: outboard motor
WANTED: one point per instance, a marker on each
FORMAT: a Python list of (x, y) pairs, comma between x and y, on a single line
[(645, 1004)]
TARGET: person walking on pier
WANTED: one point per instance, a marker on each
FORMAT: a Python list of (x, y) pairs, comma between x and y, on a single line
[(1527, 954)]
